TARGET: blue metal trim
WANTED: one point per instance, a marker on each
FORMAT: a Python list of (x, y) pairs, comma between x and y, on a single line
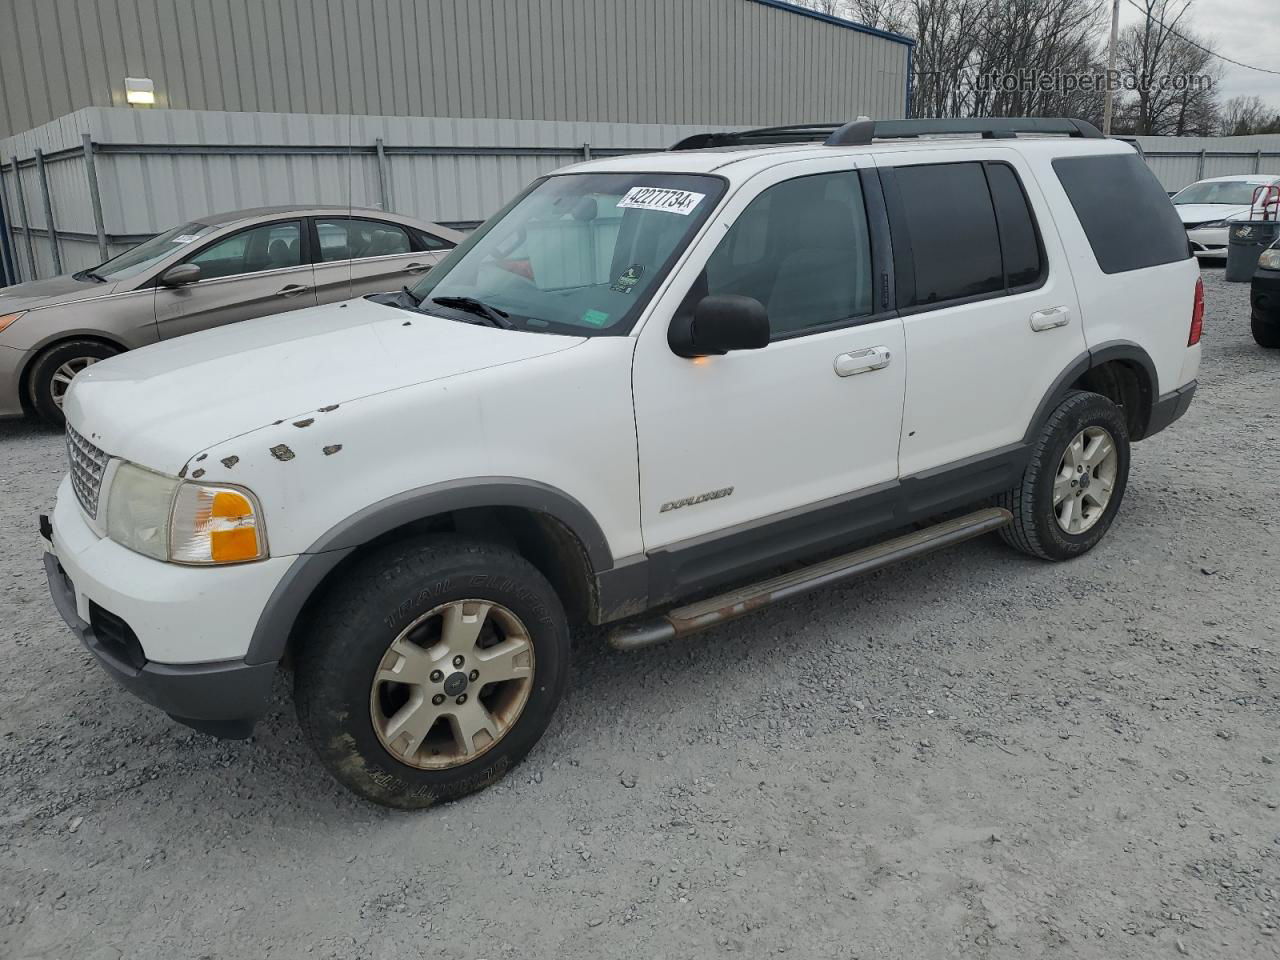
[(838, 21)]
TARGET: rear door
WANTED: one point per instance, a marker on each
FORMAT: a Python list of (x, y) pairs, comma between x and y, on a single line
[(989, 308), (356, 256), (254, 272)]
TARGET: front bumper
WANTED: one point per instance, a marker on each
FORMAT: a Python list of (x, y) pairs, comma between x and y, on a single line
[(1264, 296), (1209, 243), (174, 636)]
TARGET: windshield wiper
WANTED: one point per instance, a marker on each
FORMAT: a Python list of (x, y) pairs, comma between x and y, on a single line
[(89, 275), (496, 317), (411, 296)]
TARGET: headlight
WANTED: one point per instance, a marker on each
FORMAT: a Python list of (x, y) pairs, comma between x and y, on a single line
[(138, 510), (8, 318), (182, 521), (1270, 260)]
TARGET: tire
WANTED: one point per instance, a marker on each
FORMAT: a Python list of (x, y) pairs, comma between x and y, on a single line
[(364, 726), (48, 379), (1265, 334), (1055, 462)]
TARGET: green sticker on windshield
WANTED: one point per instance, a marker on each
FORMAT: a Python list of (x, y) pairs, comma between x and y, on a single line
[(595, 318)]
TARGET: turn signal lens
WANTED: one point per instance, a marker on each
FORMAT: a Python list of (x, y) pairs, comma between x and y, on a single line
[(216, 525), (1197, 315), (7, 319)]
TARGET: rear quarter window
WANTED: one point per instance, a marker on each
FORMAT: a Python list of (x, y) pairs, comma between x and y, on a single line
[(1127, 216)]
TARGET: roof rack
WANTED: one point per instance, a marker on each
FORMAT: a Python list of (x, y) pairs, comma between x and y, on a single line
[(863, 132)]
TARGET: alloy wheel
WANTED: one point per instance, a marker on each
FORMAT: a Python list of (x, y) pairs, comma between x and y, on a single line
[(452, 684), (63, 376), (1085, 479)]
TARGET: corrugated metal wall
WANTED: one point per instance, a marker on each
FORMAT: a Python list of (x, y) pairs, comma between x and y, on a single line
[(1179, 161), (160, 168), (635, 61)]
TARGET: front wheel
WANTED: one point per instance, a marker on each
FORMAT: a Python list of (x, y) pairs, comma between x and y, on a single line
[(433, 668), (53, 371), (1074, 482)]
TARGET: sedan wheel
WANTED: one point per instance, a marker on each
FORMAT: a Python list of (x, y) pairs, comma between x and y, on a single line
[(62, 377)]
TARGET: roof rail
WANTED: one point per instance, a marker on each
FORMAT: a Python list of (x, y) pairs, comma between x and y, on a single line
[(863, 132), (795, 133)]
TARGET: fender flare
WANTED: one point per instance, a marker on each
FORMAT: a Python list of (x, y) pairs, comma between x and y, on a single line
[(309, 568), (1125, 350)]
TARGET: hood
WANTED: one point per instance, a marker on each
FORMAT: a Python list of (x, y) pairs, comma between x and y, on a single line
[(1209, 212), (47, 293), (160, 405)]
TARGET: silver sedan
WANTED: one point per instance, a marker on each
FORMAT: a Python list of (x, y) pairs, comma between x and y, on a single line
[(222, 269)]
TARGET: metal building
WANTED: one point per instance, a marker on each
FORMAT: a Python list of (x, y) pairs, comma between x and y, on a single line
[(511, 88)]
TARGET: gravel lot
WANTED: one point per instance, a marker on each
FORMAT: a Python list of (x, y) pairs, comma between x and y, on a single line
[(975, 754)]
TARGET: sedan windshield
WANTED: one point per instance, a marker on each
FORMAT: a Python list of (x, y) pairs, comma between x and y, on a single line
[(1237, 193), (149, 252), (577, 254)]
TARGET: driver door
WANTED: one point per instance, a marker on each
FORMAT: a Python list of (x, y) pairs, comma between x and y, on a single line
[(758, 452), (253, 273)]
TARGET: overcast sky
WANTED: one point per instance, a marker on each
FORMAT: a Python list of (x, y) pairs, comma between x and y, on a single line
[(1245, 30)]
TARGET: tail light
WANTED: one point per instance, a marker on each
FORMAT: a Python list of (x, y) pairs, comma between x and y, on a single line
[(1197, 314)]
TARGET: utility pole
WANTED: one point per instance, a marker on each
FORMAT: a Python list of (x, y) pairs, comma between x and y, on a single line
[(1111, 68)]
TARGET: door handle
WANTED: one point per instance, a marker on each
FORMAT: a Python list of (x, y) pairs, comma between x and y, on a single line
[(1049, 318), (417, 268), (292, 290), (862, 361)]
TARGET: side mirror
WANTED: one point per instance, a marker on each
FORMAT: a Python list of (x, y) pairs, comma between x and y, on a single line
[(181, 275), (719, 324)]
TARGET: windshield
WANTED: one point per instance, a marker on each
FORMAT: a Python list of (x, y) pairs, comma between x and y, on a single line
[(149, 252), (1237, 193), (578, 253)]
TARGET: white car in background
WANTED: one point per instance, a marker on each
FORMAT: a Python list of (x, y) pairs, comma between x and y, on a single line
[(1207, 207)]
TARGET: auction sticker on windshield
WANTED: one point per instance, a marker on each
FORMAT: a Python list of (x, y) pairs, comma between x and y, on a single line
[(683, 202)]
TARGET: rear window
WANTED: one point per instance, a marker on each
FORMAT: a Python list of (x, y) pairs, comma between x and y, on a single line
[(1125, 212)]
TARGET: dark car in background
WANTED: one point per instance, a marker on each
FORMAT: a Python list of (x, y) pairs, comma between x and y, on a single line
[(220, 269), (1264, 298)]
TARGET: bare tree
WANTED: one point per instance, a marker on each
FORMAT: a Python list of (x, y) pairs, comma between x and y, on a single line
[(1242, 116), (1173, 73)]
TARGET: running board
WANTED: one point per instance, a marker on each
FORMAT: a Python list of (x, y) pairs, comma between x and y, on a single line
[(728, 606)]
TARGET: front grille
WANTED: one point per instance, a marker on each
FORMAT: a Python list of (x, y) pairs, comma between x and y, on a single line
[(87, 466)]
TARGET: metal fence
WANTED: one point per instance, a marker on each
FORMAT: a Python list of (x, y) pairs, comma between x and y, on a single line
[(94, 183), (1179, 161)]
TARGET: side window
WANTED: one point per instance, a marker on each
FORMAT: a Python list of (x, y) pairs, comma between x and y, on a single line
[(343, 239), (1125, 212), (1019, 238), (952, 223), (272, 246), (802, 249), (429, 241)]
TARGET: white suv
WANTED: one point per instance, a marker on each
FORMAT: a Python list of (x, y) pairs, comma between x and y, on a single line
[(644, 379)]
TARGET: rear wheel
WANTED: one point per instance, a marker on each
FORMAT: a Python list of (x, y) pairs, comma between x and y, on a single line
[(431, 670), (1075, 480), (1265, 334), (53, 371)]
